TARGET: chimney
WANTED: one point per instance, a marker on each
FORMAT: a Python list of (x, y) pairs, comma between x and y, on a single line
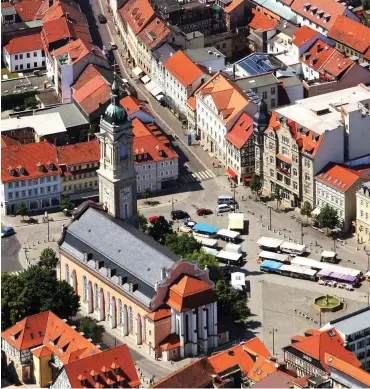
[(156, 286)]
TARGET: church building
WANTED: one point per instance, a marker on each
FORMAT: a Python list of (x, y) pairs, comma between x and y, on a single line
[(123, 276)]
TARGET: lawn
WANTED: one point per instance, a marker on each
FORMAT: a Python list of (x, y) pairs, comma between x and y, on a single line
[(5, 71), (332, 302)]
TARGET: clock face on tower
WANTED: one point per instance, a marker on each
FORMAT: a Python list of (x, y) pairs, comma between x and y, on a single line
[(126, 193), (107, 193)]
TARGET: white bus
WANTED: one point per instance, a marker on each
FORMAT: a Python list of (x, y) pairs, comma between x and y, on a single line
[(293, 248)]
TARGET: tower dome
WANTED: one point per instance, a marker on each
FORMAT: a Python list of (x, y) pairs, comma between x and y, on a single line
[(261, 118), (115, 113)]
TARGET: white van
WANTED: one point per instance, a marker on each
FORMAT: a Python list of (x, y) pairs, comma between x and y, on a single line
[(225, 199), (222, 208)]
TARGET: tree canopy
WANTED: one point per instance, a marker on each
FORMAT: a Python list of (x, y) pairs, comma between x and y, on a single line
[(255, 184), (160, 229), (91, 328), (22, 209), (66, 203), (328, 217), (306, 210), (183, 244), (206, 260), (48, 258), (143, 222)]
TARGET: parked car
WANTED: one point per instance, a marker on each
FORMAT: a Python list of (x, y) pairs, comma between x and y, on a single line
[(322, 282), (7, 231), (222, 208), (349, 287), (333, 283), (113, 46), (185, 229), (204, 211), (179, 215), (189, 223), (102, 19), (153, 219), (341, 286), (19, 108)]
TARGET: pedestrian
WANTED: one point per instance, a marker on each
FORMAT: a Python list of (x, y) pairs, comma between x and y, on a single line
[(178, 228)]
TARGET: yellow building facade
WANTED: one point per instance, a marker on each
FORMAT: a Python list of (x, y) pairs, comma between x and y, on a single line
[(363, 213)]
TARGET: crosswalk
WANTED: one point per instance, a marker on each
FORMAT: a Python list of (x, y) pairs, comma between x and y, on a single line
[(198, 176)]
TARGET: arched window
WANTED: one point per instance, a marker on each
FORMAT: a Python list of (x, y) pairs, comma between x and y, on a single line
[(120, 312), (84, 283), (125, 213), (96, 295), (109, 303), (67, 273), (130, 320)]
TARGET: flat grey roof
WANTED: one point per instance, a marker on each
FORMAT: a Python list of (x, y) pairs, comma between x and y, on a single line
[(353, 323), (195, 34), (6, 11), (203, 54), (26, 84), (257, 81), (164, 52), (69, 113), (121, 247)]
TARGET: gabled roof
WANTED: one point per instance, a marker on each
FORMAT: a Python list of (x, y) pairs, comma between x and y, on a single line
[(183, 68), (137, 13), (24, 44), (159, 314), (233, 5), (114, 366), (41, 351), (262, 22), (79, 153), (351, 33), (34, 158), (317, 55), (154, 33), (56, 30), (303, 35), (133, 105), (228, 97), (27, 9), (348, 369), (330, 8), (337, 65), (90, 72), (320, 343), (241, 131), (77, 50), (340, 177), (192, 103), (8, 141)]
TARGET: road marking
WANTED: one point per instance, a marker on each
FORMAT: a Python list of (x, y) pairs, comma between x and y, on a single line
[(198, 176)]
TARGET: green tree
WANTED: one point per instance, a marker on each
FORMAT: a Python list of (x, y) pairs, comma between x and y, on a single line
[(30, 102), (278, 197), (183, 244), (255, 184), (91, 329), (160, 229), (48, 258), (328, 217), (146, 194), (306, 210), (206, 260), (143, 222), (22, 209), (36, 290), (66, 203), (232, 302)]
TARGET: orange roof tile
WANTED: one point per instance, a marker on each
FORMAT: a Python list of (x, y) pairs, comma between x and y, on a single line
[(28, 156), (137, 13), (242, 355), (229, 99), (337, 65), (56, 30), (42, 351), (262, 22), (79, 153), (188, 286), (317, 55), (27, 9), (303, 35), (262, 368), (8, 141), (154, 33), (133, 105), (159, 314), (171, 342), (183, 68), (77, 50), (329, 7), (192, 103), (326, 341), (234, 4), (351, 33), (355, 372), (340, 177), (120, 356), (24, 44), (241, 131)]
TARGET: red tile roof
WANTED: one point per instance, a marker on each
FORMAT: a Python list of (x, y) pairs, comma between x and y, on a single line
[(137, 13), (41, 351), (326, 341), (262, 22), (133, 105), (27, 9), (352, 34), (317, 55), (8, 141), (192, 103), (233, 5), (79, 153), (241, 131), (154, 33), (78, 50), (189, 292), (56, 30), (93, 94), (183, 68), (329, 7), (171, 342), (28, 157), (303, 35), (278, 379), (114, 366), (159, 314), (340, 177), (197, 374), (336, 66), (24, 44), (355, 372)]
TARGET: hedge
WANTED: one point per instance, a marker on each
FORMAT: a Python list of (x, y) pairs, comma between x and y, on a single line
[(10, 101)]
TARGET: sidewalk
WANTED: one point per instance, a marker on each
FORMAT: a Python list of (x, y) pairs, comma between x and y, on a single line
[(30, 253), (17, 221), (164, 199)]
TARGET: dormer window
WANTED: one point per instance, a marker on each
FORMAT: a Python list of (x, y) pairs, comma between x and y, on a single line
[(11, 171), (40, 166), (21, 169), (306, 6), (51, 166)]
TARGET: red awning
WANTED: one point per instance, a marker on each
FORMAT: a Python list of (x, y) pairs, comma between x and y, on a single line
[(231, 173), (247, 179)]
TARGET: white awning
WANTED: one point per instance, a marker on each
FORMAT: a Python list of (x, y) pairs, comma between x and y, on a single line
[(156, 91), (236, 221), (228, 233), (145, 79), (159, 97), (137, 71), (226, 255), (150, 85)]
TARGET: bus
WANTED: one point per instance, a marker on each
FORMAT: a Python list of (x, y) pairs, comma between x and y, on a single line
[(293, 248), (270, 244)]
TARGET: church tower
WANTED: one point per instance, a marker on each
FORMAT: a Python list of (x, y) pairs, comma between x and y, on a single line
[(260, 123), (117, 178)]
